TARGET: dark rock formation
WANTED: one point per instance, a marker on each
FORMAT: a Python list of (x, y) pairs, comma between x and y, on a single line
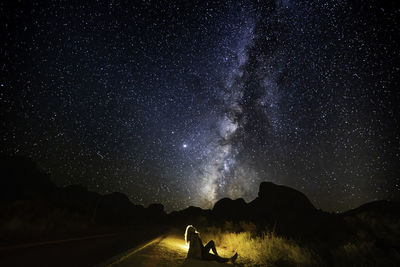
[(28, 197), (191, 215), (276, 202), (21, 179), (280, 196), (155, 213), (384, 208), (229, 209)]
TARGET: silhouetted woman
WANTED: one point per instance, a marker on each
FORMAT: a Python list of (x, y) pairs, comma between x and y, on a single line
[(198, 251)]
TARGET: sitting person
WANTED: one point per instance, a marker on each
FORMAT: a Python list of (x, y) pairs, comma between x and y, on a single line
[(198, 251)]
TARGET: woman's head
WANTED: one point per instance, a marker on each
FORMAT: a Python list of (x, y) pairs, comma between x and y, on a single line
[(190, 230)]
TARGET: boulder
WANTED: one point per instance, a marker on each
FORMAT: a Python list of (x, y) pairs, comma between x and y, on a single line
[(229, 209)]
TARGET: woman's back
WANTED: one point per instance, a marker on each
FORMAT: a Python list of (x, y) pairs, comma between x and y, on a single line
[(195, 246)]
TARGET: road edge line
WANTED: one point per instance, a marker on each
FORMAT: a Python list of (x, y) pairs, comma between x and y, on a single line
[(126, 254)]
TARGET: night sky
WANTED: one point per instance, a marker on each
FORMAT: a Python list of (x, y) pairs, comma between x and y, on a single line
[(186, 102)]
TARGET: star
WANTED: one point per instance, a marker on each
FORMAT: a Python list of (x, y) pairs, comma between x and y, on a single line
[(205, 98)]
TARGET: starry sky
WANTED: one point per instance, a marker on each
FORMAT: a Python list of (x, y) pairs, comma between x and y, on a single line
[(186, 102)]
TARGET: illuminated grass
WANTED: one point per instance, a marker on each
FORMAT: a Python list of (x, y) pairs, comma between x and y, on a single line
[(265, 250)]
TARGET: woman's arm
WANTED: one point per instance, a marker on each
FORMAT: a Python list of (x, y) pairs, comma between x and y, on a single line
[(199, 240)]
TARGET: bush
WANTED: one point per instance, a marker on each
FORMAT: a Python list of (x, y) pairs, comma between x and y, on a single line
[(364, 254), (259, 249)]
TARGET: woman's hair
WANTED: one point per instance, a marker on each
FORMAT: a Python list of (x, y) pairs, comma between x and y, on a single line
[(189, 231)]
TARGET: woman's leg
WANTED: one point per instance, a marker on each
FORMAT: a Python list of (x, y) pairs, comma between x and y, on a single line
[(211, 245), (212, 257)]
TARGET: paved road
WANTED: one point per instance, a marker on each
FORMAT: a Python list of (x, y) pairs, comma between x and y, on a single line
[(169, 250), (112, 250), (86, 251)]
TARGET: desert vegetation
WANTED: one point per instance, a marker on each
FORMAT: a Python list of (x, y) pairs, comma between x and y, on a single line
[(266, 248), (259, 248)]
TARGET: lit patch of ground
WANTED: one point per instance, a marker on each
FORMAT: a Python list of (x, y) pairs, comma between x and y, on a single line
[(170, 250)]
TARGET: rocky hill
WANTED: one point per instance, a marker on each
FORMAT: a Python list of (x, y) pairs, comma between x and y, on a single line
[(31, 205)]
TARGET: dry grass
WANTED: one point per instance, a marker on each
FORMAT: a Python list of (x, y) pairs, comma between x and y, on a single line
[(260, 250), (365, 253)]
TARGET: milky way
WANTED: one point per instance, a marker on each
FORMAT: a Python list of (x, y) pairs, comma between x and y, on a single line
[(188, 102)]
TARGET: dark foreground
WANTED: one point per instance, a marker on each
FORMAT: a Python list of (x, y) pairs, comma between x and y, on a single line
[(81, 251), (269, 229)]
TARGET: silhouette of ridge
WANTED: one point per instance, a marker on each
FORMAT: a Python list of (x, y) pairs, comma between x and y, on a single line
[(29, 197)]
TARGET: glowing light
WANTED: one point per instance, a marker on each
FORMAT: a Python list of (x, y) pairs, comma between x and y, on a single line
[(176, 243)]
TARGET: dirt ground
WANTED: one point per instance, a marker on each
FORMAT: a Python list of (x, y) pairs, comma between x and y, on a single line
[(169, 250)]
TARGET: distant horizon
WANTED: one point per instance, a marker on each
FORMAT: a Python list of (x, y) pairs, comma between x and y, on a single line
[(204, 208)]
